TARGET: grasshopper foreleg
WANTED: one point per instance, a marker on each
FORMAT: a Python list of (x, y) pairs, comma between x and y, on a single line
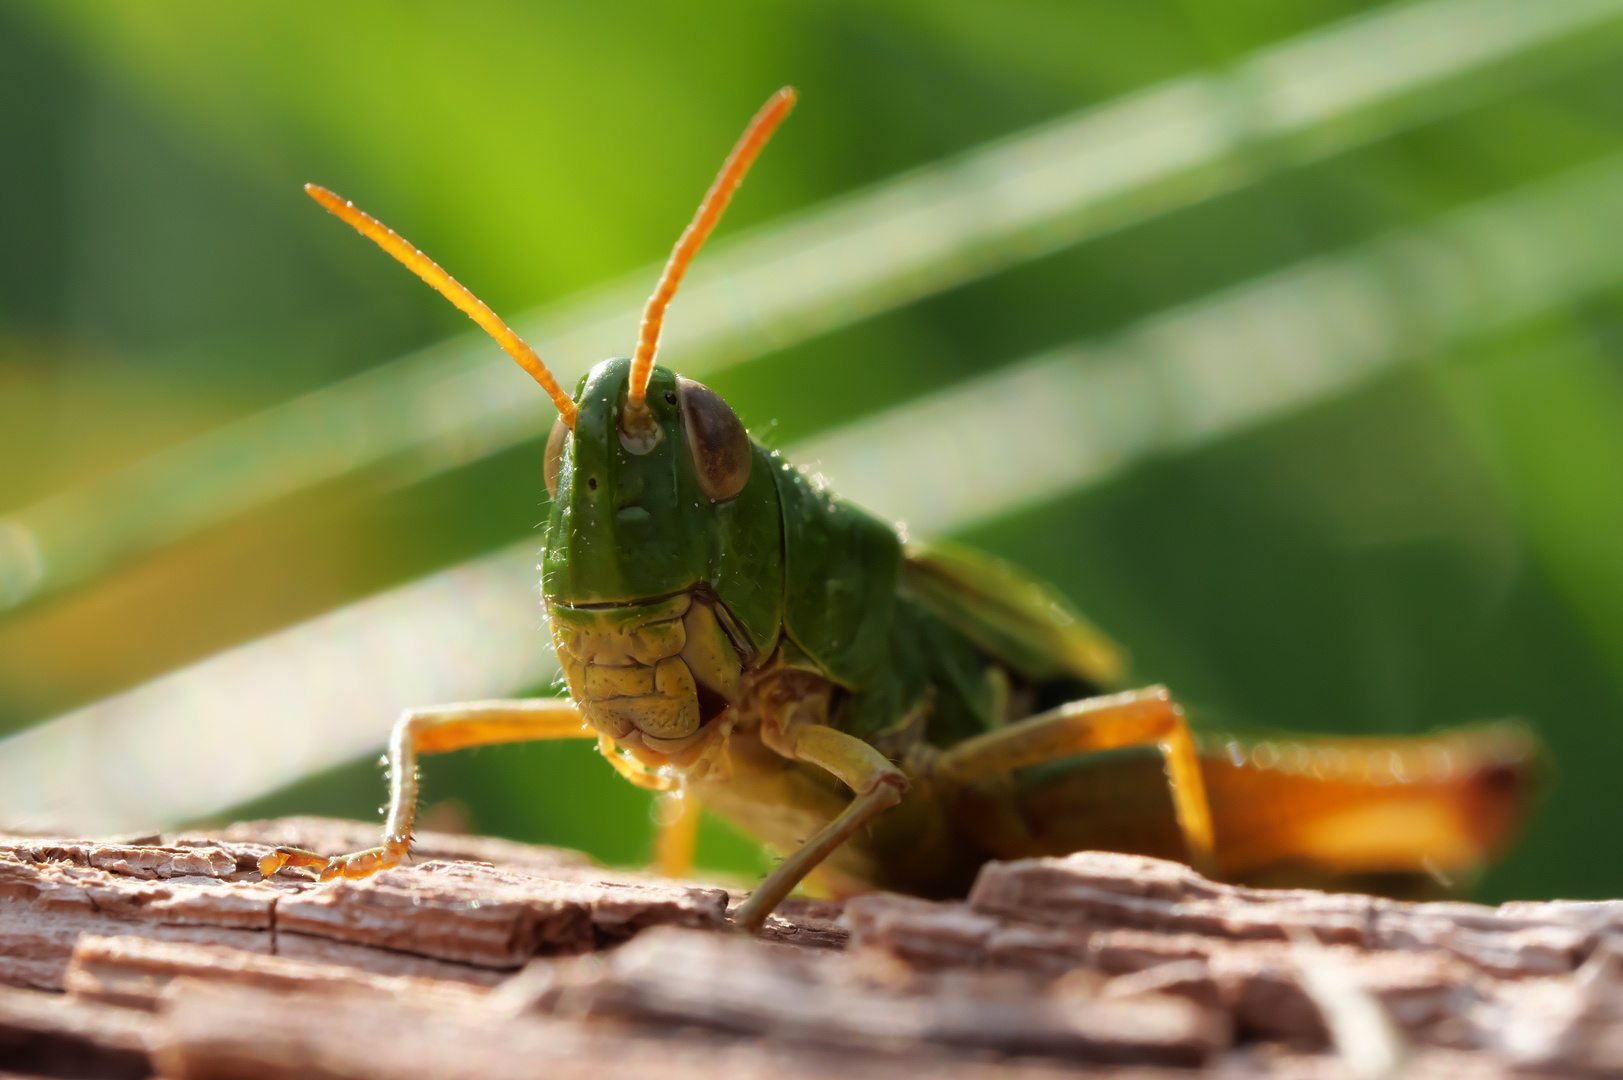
[(436, 730), (678, 834), (1146, 717)]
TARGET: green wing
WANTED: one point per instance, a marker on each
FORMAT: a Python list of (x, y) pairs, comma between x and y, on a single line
[(1015, 617)]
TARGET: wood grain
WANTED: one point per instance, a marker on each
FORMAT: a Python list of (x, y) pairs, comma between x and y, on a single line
[(487, 958)]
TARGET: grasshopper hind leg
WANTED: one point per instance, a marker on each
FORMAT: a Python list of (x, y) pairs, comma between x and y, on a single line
[(1140, 718)]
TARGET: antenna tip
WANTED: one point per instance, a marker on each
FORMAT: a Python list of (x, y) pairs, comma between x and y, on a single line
[(329, 199)]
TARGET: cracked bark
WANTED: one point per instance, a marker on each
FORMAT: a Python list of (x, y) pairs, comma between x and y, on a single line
[(489, 958)]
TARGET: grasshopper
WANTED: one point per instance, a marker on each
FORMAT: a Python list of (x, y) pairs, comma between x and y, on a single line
[(890, 715)]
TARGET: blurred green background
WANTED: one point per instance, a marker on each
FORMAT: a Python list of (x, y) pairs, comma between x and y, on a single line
[(1435, 544)]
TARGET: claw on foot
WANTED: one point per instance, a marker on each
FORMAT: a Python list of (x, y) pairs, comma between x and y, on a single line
[(361, 864), (289, 856)]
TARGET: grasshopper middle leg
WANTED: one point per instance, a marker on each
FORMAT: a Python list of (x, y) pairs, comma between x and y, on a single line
[(1146, 717), (437, 730), (797, 729)]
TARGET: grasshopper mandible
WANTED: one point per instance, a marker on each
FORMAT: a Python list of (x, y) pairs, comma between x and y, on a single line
[(892, 716)]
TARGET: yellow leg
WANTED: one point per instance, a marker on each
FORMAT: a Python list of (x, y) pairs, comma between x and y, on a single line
[(877, 783), (1140, 718), (678, 834), (437, 730)]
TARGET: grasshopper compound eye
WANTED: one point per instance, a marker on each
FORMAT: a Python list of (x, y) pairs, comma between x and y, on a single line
[(555, 455), (716, 440)]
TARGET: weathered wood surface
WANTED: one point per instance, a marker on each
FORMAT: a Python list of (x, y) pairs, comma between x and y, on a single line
[(446, 916), (493, 959)]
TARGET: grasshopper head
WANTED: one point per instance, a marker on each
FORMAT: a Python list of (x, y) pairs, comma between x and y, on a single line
[(634, 513), (662, 550)]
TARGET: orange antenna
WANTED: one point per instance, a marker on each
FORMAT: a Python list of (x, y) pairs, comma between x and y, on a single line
[(687, 246), (448, 287)]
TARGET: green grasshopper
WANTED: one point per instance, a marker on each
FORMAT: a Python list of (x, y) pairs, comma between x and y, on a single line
[(892, 716)]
